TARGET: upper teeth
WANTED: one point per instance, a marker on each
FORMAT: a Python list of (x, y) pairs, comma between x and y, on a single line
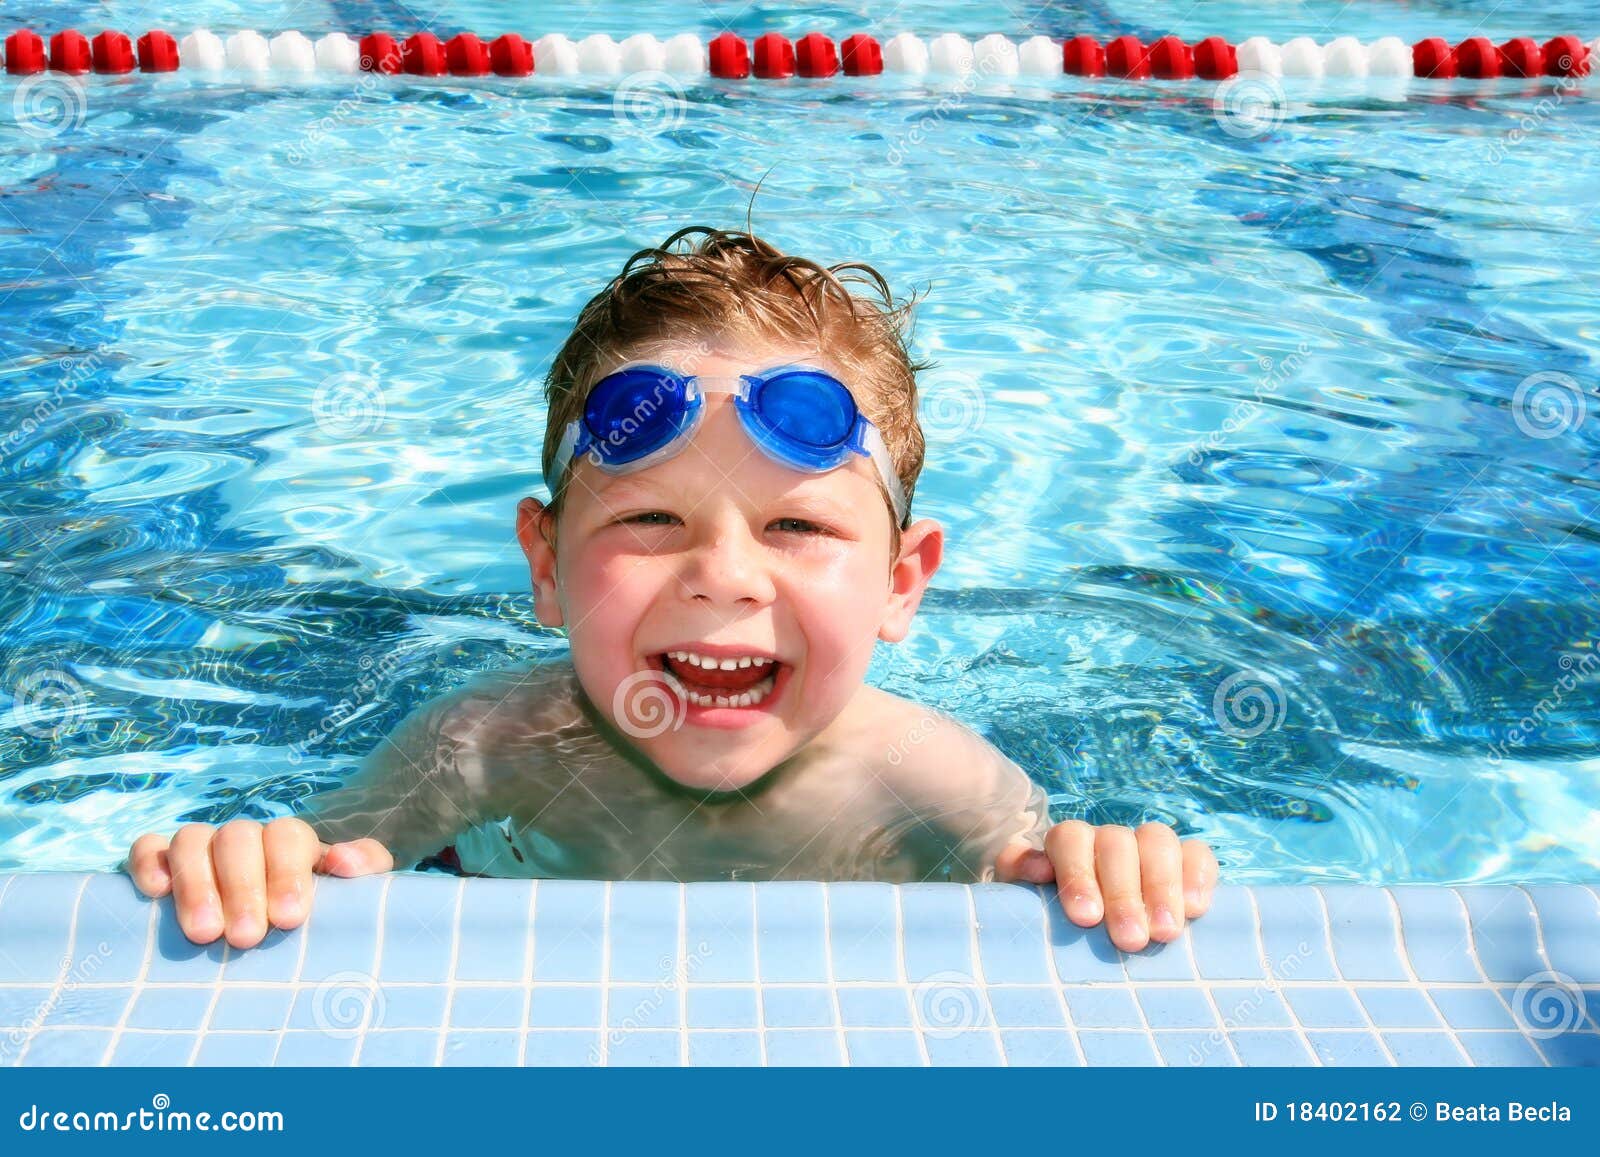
[(713, 664)]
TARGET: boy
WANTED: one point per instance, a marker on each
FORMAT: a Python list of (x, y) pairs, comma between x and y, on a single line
[(732, 445)]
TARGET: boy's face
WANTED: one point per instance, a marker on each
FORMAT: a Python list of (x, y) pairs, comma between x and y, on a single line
[(720, 554)]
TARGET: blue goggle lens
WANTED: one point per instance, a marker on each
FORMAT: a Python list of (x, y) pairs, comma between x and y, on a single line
[(636, 412), (807, 408)]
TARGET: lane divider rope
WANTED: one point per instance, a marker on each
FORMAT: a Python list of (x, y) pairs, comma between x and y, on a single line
[(775, 57)]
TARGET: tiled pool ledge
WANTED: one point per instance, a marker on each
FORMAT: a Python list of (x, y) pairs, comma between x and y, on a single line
[(424, 970)]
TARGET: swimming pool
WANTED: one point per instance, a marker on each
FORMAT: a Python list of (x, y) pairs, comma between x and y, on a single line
[(1266, 445)]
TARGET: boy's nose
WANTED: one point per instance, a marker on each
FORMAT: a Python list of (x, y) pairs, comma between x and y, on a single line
[(726, 568)]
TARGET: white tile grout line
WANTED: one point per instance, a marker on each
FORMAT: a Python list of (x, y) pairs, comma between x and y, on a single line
[(1404, 954), (1216, 1009), (1477, 962), (139, 987), (978, 978), (1538, 930), (1338, 970), (211, 1005), (1272, 978), (1057, 984), (605, 977), (905, 977), (455, 960), (382, 943), (62, 973), (299, 971), (680, 975), (833, 979), (755, 963), (528, 947)]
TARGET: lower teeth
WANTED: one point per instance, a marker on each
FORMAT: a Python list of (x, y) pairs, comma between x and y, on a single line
[(744, 699)]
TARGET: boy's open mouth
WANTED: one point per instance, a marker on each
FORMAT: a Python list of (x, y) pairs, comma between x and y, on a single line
[(722, 680)]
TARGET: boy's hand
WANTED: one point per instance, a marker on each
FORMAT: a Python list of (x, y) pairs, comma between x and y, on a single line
[(242, 878), (1144, 883)]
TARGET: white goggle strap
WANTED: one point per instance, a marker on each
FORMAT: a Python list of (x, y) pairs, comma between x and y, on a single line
[(891, 478), (563, 456)]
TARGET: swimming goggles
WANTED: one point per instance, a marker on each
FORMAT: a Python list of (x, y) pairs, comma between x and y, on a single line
[(799, 416)]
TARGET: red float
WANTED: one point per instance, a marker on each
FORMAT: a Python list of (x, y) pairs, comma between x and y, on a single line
[(423, 55), (1126, 56), (466, 55), (69, 52), (379, 53), (1172, 59), (774, 57), (1434, 58), (1215, 59), (1521, 56), (730, 57), (510, 55), (113, 53), (24, 53), (1477, 57), (1566, 56), (814, 55), (1083, 56), (158, 52), (863, 56)]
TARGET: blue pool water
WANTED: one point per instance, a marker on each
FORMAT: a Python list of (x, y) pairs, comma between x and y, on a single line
[(1266, 448)]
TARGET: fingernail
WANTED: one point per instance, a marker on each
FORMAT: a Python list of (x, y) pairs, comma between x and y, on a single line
[(1194, 899), (1087, 903), (288, 904), (206, 919), (1130, 929), (1162, 920)]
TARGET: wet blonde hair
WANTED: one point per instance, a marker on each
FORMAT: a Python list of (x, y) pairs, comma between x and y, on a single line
[(702, 284)]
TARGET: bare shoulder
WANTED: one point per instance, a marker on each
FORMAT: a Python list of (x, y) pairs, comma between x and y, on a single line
[(916, 740)]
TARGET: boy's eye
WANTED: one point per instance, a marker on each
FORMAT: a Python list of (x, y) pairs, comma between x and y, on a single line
[(649, 518), (797, 526)]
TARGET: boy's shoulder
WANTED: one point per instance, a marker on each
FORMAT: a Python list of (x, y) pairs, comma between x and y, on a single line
[(509, 703)]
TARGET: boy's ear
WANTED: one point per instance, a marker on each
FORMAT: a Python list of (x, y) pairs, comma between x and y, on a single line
[(535, 530), (921, 552)]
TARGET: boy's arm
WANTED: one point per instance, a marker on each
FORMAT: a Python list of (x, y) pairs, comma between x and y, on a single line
[(1143, 883)]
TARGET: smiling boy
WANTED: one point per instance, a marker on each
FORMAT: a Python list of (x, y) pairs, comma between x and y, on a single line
[(732, 446)]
